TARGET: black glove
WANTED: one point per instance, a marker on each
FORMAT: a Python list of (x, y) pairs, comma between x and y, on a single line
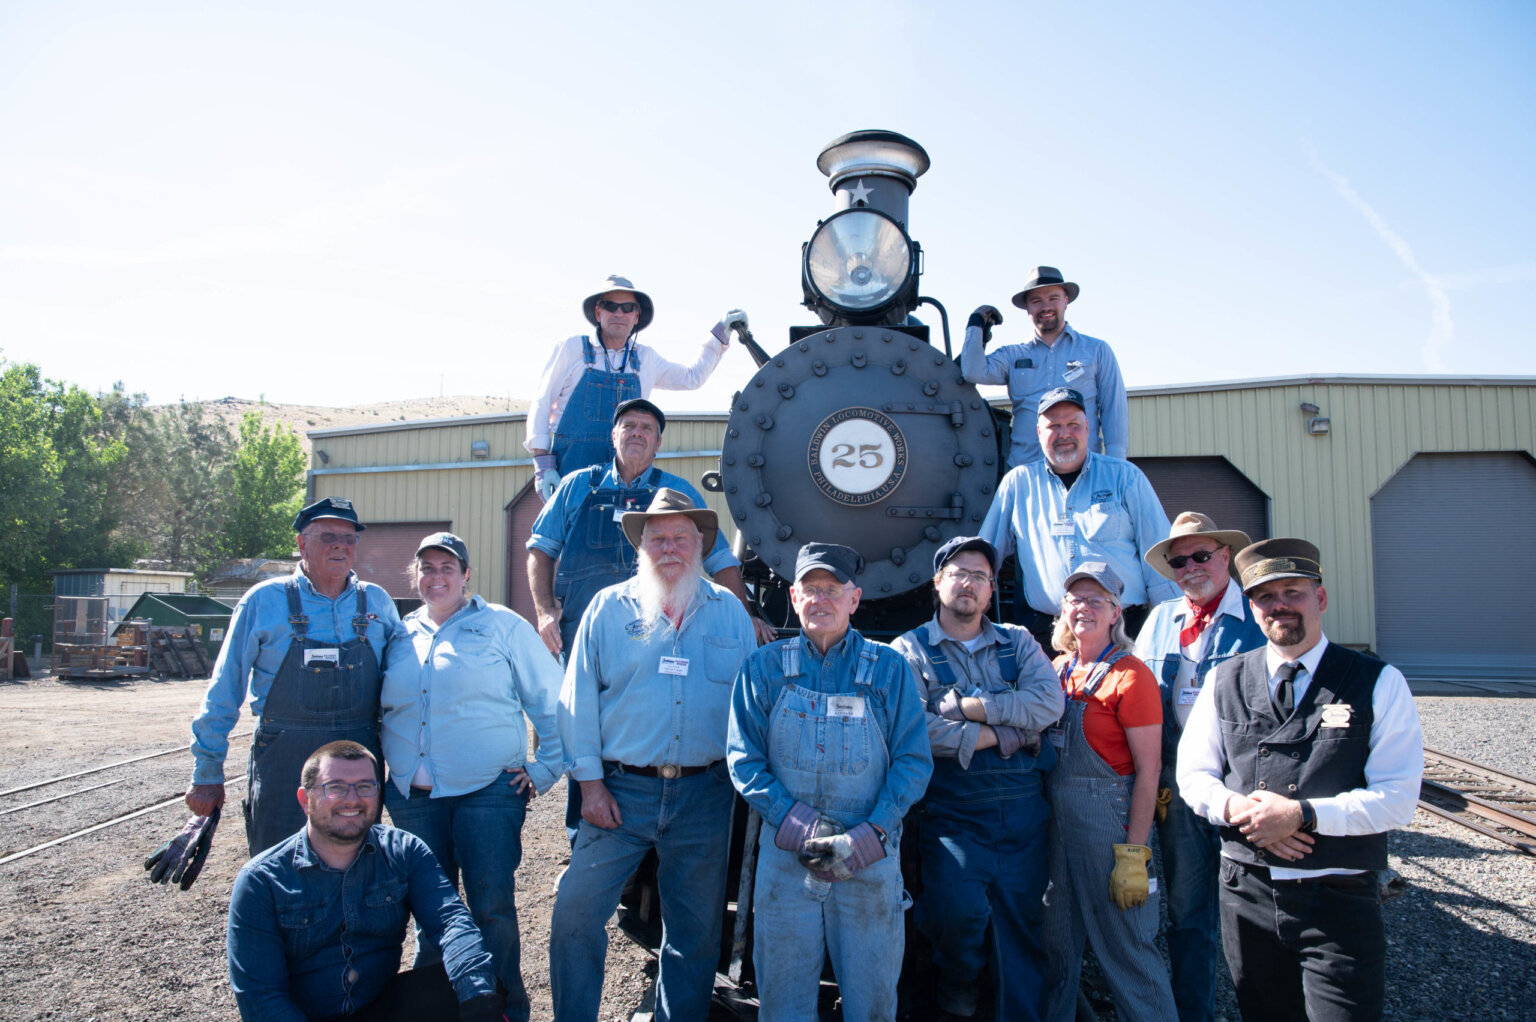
[(180, 859), (986, 317), (485, 1008)]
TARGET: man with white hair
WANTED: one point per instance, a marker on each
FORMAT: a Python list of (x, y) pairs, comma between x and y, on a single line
[(643, 717)]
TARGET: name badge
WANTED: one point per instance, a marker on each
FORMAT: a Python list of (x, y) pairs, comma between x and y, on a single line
[(845, 706), (1336, 715), (331, 657), (676, 666), (1062, 528), (1058, 737), (1187, 696), (618, 514), (1074, 370)]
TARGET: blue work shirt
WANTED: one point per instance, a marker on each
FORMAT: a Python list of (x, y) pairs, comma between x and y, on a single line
[(551, 530), (454, 698), (298, 929), (1033, 702), (891, 697), (619, 701), (1086, 364), (254, 647), (1111, 514)]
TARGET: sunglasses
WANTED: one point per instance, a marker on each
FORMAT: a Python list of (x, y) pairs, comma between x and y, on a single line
[(1199, 557), (624, 307)]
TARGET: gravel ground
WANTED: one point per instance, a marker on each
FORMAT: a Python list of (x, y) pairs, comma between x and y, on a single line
[(83, 936)]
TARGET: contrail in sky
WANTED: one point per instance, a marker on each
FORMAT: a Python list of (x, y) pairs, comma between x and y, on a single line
[(1441, 327)]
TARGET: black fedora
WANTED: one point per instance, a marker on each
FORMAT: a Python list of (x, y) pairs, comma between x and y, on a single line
[(1046, 276)]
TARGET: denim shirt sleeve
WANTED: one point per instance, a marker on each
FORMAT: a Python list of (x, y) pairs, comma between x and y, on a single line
[(442, 916), (577, 716), (1151, 528), (243, 643), (1037, 702), (907, 738), (1114, 408), (979, 367), (746, 746), (537, 678), (258, 962), (554, 520), (955, 739)]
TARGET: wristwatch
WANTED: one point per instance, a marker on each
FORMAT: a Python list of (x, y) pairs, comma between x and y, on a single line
[(1308, 818)]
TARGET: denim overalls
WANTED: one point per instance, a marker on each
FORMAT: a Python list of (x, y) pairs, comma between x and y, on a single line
[(1091, 808), (307, 707), (584, 434), (834, 762), (982, 838), (596, 554)]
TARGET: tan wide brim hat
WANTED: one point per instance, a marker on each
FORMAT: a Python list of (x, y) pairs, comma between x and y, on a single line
[(670, 502), (1192, 523)]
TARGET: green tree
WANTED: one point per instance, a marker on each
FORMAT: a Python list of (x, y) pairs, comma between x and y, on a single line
[(267, 489), (29, 475)]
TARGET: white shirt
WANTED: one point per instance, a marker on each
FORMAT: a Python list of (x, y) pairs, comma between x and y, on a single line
[(567, 363), (1393, 768)]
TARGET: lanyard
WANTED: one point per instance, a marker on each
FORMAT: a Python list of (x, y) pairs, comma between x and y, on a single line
[(1073, 666), (608, 356)]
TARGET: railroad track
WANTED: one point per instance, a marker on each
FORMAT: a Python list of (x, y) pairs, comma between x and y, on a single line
[(1494, 803), (117, 813)]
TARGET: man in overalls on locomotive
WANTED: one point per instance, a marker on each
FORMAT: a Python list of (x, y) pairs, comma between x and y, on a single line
[(585, 380), (989, 691), (827, 743), (307, 648)]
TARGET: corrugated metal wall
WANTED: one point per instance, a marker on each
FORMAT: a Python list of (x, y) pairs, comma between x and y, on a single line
[(1319, 486)]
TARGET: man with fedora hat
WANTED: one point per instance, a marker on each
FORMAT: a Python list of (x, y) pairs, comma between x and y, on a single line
[(1183, 641), (584, 382), (307, 650), (1304, 755), (828, 744), (1057, 356), (643, 718), (1075, 505), (989, 691)]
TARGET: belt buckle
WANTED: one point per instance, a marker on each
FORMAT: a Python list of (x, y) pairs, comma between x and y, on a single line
[(669, 772)]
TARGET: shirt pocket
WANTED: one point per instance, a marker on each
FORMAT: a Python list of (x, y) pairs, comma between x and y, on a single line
[(1104, 522), (471, 647), (385, 905), (722, 659), (304, 928)]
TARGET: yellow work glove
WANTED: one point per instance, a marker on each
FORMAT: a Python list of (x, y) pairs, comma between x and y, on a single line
[(1164, 796), (1128, 882)]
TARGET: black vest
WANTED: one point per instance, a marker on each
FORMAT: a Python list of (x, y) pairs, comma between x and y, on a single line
[(1299, 757)]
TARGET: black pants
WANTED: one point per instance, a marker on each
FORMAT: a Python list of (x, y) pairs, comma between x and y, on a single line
[(419, 995), (1303, 949)]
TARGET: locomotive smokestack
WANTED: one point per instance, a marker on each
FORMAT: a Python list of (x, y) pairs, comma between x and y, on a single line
[(874, 170)]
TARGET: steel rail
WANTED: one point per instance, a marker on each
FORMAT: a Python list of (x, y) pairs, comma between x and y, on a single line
[(1504, 817), (1524, 846), (1515, 780), (56, 798), (109, 766)]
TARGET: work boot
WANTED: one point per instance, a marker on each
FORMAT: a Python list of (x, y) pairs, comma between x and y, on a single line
[(958, 997)]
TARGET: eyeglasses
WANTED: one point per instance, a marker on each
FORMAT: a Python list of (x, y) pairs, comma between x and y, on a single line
[(1199, 557), (624, 307), (336, 790), (821, 592), (1091, 602), (975, 578), (332, 538)]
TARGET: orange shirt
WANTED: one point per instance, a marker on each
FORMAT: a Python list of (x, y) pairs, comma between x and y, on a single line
[(1127, 697)]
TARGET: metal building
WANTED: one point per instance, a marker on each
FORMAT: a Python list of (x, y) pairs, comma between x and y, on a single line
[(1420, 491)]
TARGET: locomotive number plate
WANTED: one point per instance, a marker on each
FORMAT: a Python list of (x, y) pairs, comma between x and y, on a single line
[(857, 456)]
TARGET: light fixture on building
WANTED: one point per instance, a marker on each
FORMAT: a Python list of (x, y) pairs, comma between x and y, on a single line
[(1317, 425), (480, 449), (325, 459)]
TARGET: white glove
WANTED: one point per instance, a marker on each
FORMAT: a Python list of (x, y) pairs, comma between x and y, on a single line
[(733, 320), (546, 476)]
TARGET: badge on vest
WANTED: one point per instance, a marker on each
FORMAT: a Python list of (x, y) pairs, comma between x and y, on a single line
[(845, 706), (322, 657), (676, 666), (1187, 696), (1336, 715)]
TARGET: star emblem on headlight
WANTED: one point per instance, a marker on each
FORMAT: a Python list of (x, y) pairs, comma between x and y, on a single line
[(860, 193)]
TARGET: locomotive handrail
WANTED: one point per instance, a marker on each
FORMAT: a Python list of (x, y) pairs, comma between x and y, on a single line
[(943, 318)]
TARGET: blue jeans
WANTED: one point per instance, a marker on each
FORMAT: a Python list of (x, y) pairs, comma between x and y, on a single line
[(688, 822), (986, 861), (479, 837), (1191, 858), (857, 923)]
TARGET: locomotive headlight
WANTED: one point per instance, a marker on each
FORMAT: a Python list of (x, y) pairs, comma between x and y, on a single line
[(858, 261)]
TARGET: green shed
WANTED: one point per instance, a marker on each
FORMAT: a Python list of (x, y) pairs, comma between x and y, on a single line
[(209, 616)]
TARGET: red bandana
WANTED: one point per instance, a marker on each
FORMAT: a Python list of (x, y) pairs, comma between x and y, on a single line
[(1199, 620)]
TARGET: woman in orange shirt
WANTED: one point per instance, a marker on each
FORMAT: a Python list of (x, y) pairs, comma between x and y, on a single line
[(1103, 794)]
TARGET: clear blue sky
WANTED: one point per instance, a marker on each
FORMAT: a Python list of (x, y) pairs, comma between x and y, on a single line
[(338, 203)]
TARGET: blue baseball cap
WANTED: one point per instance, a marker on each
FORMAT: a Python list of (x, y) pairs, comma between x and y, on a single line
[(339, 508)]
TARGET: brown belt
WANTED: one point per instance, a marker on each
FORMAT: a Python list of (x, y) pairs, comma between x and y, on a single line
[(666, 773)]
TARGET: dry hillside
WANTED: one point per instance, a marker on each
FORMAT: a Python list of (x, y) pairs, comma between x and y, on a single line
[(302, 418)]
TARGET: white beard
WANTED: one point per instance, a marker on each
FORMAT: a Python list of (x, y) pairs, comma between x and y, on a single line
[(657, 598)]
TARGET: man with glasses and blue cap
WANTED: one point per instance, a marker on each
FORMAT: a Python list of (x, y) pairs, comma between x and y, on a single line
[(827, 743), (989, 692), (306, 649), (585, 380)]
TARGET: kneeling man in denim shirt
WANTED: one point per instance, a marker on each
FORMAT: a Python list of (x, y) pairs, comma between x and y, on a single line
[(316, 922), (828, 743)]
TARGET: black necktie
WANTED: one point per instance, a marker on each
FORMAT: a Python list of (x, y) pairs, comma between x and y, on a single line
[(1285, 693)]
